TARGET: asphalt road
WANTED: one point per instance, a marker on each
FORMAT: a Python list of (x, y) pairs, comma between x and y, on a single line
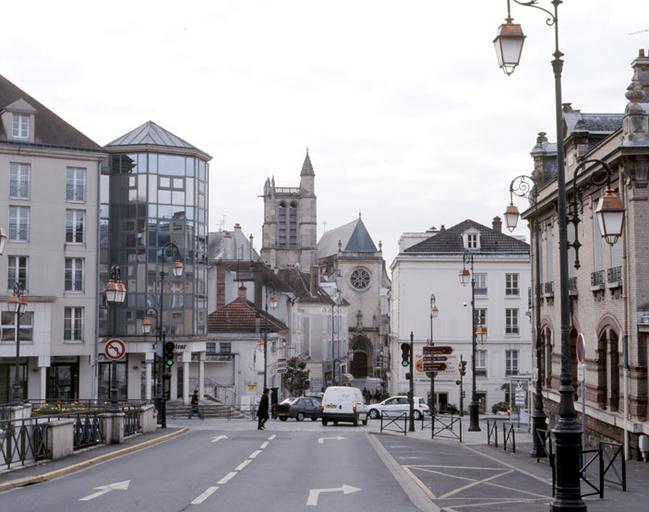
[(230, 471)]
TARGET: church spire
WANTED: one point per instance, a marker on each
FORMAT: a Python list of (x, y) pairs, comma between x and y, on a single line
[(307, 168)]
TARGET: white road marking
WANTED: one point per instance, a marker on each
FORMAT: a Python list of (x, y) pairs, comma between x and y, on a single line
[(272, 437), (321, 440), (216, 439), (227, 478), (243, 465), (104, 489), (264, 445), (205, 495), (254, 454), (409, 458), (314, 494)]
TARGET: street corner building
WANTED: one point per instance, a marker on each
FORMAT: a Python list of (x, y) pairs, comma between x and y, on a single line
[(49, 206)]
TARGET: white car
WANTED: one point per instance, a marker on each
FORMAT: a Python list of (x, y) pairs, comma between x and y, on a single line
[(396, 405), (343, 403)]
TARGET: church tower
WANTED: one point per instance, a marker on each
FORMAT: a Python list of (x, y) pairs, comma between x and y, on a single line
[(289, 233)]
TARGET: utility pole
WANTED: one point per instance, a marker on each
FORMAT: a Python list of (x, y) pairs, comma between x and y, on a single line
[(411, 392)]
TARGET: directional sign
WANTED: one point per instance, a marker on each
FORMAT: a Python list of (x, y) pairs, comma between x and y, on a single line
[(437, 349), (105, 489), (436, 367), (314, 494), (114, 349)]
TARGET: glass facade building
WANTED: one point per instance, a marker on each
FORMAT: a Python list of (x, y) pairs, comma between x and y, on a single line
[(153, 191)]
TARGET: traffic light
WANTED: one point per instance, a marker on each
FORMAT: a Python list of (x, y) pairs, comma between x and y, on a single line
[(405, 354), (169, 353), (462, 368)]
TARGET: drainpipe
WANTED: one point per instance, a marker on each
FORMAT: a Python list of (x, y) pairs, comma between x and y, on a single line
[(627, 314)]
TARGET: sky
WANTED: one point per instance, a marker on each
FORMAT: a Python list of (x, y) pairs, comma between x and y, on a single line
[(407, 117)]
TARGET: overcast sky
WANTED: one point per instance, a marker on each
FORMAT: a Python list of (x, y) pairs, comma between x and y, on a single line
[(406, 114)]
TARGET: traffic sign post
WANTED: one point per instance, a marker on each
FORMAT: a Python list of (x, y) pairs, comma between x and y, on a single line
[(581, 377), (435, 357)]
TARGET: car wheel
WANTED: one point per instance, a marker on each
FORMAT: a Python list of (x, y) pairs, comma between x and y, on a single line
[(314, 419), (299, 416), (374, 414), (417, 415), (282, 418), (324, 422)]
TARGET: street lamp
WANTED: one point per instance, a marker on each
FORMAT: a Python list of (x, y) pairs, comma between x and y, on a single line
[(567, 433), (434, 311), (509, 44), (467, 275), (115, 294), (147, 326), (3, 240), (16, 304)]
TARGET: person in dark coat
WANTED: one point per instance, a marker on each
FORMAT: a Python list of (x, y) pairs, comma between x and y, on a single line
[(262, 410), (195, 406)]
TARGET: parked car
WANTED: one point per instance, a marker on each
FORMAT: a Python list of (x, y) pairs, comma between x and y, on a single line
[(299, 408), (343, 403), (396, 405)]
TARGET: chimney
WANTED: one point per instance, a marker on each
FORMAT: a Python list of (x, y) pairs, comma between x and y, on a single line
[(220, 284), (497, 224), (315, 279), (242, 293)]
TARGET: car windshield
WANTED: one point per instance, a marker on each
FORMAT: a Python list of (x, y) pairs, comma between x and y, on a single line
[(289, 401)]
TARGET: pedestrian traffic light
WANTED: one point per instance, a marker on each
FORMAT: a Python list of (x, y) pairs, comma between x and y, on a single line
[(169, 353), (405, 354), (462, 368)]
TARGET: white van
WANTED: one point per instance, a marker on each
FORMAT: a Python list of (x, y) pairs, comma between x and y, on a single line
[(342, 403)]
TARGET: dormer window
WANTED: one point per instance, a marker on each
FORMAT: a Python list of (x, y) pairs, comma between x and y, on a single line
[(471, 239), (20, 126)]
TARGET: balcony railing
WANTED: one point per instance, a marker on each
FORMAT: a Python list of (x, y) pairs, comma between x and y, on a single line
[(572, 285), (614, 275), (597, 279), (548, 288)]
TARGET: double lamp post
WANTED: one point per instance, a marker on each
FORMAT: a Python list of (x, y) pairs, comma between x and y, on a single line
[(567, 433)]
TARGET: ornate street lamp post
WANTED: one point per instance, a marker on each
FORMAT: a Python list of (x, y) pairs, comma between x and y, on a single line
[(115, 294), (434, 311), (467, 276), (16, 304), (567, 432)]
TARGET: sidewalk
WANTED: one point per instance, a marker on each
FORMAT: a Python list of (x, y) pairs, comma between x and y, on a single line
[(474, 474), (49, 469)]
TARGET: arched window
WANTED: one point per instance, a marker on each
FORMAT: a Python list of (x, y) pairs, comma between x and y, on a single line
[(614, 370), (546, 339), (602, 369)]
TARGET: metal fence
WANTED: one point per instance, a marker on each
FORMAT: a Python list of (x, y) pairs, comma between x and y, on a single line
[(446, 427), (509, 436), (131, 421), (22, 442), (393, 423)]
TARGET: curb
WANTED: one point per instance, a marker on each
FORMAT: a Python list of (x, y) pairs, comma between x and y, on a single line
[(22, 482)]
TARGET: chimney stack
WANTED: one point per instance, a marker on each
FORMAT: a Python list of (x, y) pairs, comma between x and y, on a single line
[(220, 284), (242, 293), (497, 224), (315, 279)]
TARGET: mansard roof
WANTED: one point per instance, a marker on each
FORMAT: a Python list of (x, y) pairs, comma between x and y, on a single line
[(450, 241), (353, 237), (152, 134), (49, 129), (299, 284), (241, 316)]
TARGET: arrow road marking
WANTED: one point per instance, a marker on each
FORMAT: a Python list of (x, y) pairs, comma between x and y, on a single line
[(337, 438), (216, 439), (205, 495), (314, 494), (105, 489)]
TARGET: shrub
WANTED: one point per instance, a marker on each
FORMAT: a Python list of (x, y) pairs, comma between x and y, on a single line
[(499, 407)]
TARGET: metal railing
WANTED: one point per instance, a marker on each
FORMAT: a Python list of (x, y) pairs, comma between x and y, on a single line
[(22, 441), (612, 452), (614, 275), (597, 278), (450, 424), (509, 436), (88, 429), (131, 422), (588, 457), (392, 423)]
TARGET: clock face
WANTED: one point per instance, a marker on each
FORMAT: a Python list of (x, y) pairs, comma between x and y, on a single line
[(360, 279)]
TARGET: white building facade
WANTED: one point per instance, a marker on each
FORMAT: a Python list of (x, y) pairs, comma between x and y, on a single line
[(502, 278)]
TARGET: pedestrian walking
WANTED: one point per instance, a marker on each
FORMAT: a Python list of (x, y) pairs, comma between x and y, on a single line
[(262, 410), (195, 407)]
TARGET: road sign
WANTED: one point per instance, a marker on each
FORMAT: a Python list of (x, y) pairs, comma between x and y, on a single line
[(437, 349), (114, 349), (581, 348), (435, 367)]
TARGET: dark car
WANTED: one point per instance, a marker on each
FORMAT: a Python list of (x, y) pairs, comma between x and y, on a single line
[(299, 408)]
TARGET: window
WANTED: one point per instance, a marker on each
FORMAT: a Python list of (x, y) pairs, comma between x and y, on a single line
[(210, 347), (16, 271), (20, 126), (360, 279), (225, 347), (73, 324), (19, 223), (481, 363), (511, 363), (511, 285), (480, 283), (472, 241), (75, 184), (74, 226), (481, 317), (19, 180), (511, 321), (73, 274), (8, 326)]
